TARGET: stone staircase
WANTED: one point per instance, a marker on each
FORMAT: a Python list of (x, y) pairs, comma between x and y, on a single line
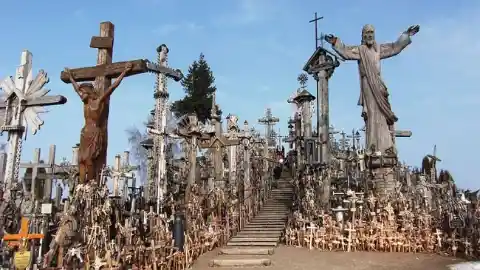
[(253, 245)]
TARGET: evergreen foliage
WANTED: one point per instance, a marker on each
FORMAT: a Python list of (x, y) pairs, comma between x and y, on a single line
[(199, 86)]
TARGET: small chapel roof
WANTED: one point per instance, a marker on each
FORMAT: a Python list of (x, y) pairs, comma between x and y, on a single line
[(319, 51)]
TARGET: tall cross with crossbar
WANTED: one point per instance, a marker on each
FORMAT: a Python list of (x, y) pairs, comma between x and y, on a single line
[(315, 22)]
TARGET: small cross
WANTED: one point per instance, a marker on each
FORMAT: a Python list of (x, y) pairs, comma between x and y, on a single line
[(22, 234), (438, 233), (315, 21), (389, 210)]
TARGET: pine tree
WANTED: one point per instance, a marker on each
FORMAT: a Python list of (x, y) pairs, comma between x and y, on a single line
[(199, 87)]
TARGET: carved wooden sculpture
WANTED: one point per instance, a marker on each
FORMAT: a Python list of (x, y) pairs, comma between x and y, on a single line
[(93, 137)]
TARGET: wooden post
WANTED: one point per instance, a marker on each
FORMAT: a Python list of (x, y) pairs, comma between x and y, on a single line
[(47, 195), (103, 73), (217, 143), (104, 57), (117, 170), (46, 173)]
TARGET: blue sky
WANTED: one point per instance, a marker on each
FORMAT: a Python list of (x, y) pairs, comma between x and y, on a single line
[(256, 49)]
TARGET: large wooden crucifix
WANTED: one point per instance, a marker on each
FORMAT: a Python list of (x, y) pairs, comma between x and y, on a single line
[(96, 98)]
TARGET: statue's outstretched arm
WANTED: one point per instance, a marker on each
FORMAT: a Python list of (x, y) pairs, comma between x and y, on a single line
[(117, 82), (388, 50), (391, 49), (346, 52), (72, 81)]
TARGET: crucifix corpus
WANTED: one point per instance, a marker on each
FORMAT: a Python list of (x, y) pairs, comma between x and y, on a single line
[(377, 112), (96, 98)]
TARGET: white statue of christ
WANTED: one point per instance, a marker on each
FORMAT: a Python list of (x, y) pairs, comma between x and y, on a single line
[(376, 110)]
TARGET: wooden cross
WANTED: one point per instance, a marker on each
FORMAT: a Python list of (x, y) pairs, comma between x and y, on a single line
[(312, 228), (438, 233), (389, 210), (106, 70), (339, 212), (217, 143), (350, 229), (343, 141), (22, 234), (39, 170), (269, 122)]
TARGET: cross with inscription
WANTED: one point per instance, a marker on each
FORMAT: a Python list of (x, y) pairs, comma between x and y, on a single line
[(96, 98)]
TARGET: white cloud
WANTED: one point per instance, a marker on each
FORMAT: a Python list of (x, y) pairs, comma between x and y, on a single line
[(168, 29)]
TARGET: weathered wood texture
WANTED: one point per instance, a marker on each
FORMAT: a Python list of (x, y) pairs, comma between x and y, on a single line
[(104, 57), (40, 101), (101, 43), (403, 133), (108, 71)]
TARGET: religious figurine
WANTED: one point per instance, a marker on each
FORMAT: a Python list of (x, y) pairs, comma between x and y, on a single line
[(93, 137), (232, 122), (376, 112)]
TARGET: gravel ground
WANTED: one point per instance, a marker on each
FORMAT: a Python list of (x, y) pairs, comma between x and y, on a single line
[(291, 258)]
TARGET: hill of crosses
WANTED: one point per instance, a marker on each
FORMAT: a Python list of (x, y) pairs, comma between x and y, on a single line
[(244, 197)]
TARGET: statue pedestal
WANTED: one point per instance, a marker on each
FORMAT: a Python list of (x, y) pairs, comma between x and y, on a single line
[(383, 174)]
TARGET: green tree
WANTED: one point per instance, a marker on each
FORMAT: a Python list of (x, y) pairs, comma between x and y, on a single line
[(199, 86)]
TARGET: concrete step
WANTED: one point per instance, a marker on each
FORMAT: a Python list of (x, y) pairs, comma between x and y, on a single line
[(273, 211), (252, 244), (258, 234), (271, 218), (269, 214), (269, 224), (246, 251), (267, 220), (266, 234), (254, 239), (240, 262), (272, 214), (265, 224), (263, 229)]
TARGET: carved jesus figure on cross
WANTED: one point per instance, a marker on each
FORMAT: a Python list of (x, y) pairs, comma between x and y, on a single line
[(93, 141)]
